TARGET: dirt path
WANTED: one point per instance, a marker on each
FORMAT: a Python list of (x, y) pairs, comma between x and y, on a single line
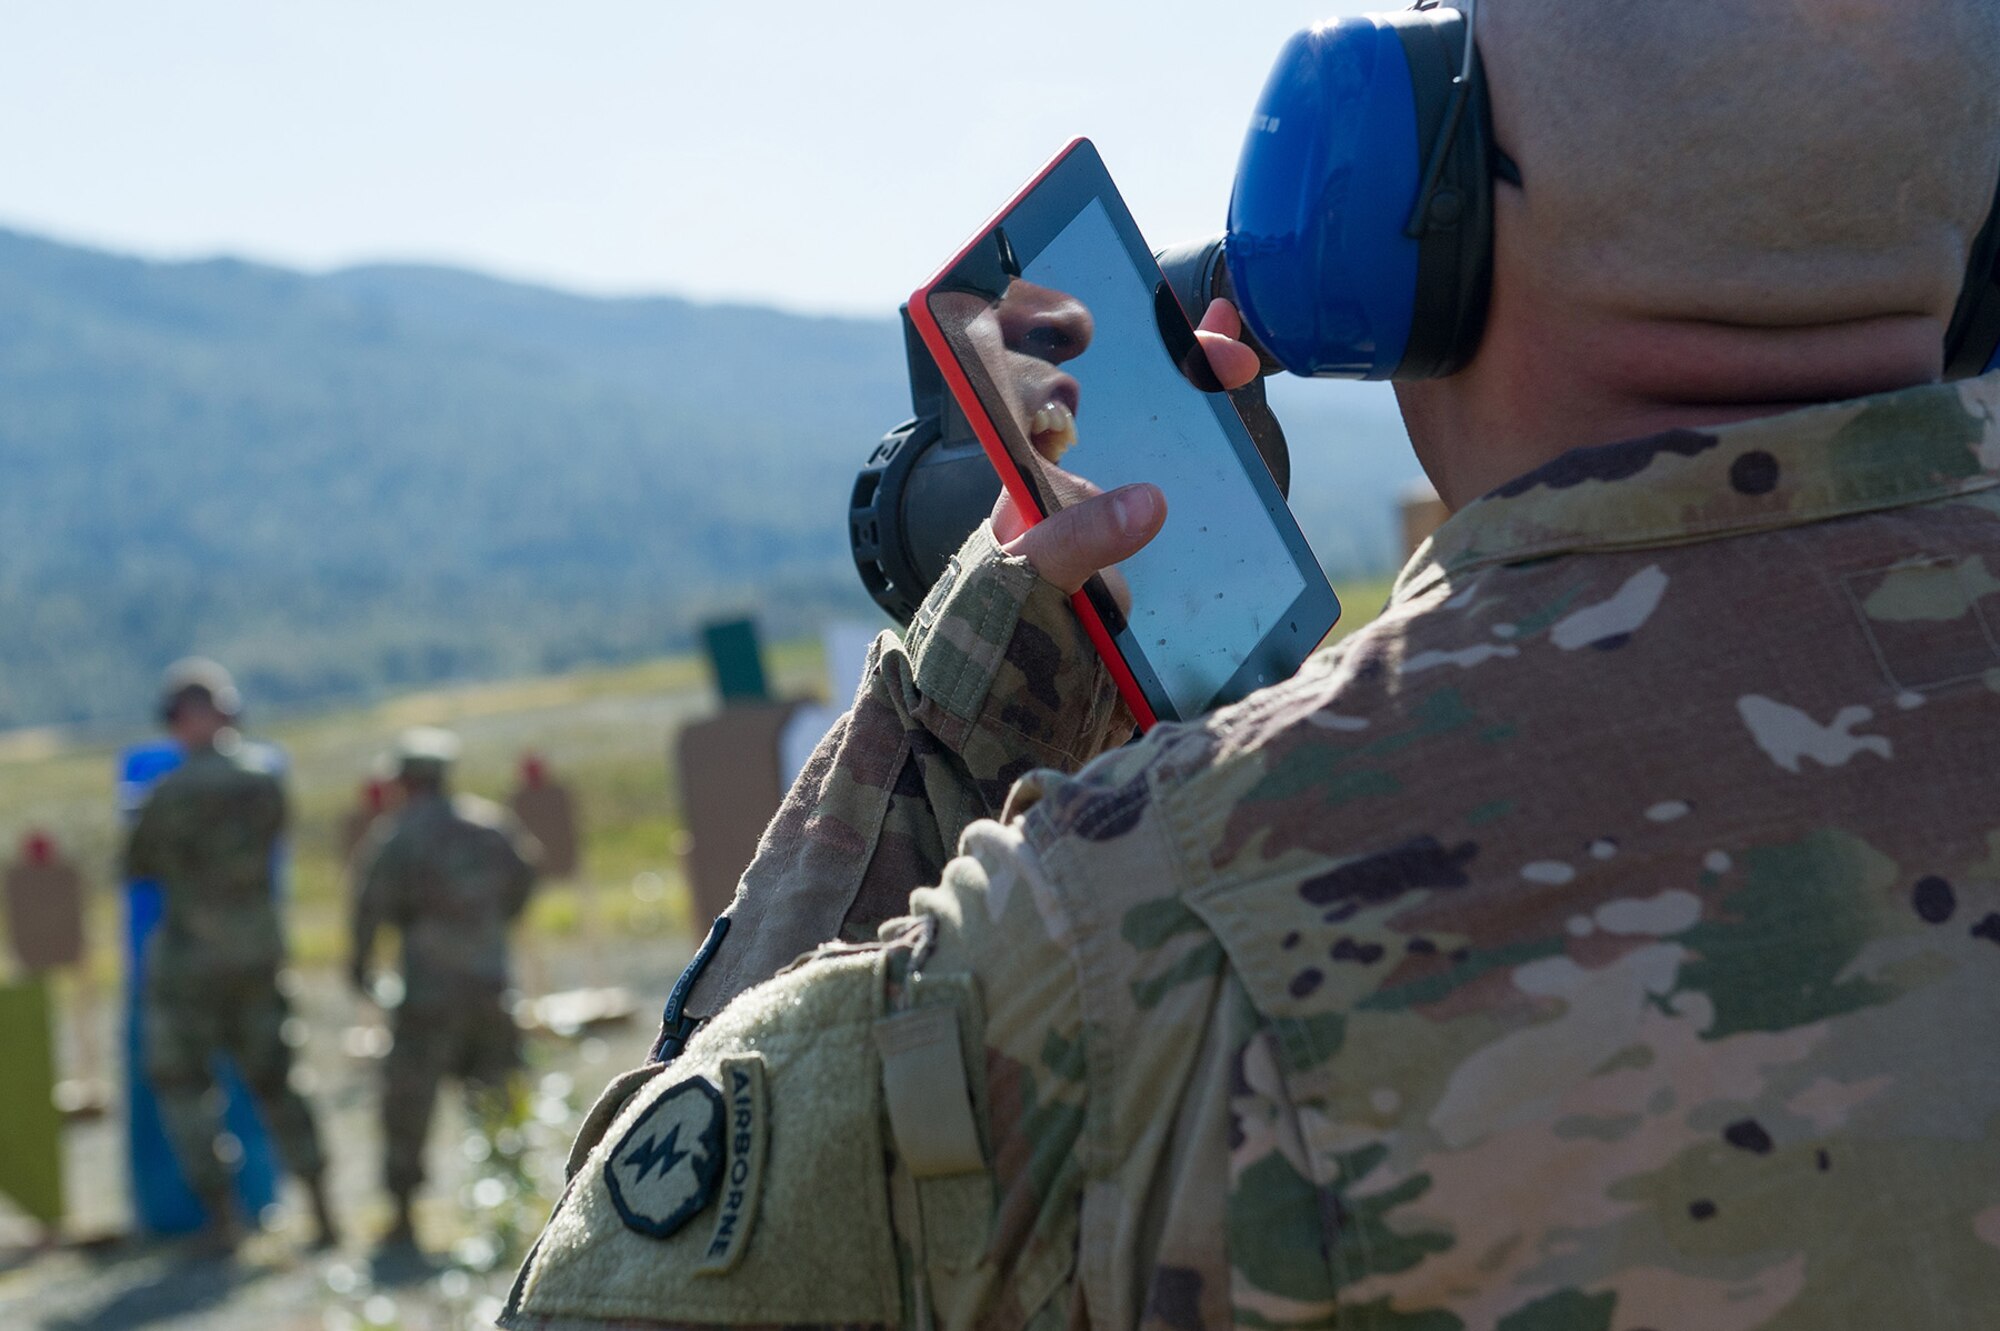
[(488, 1193)]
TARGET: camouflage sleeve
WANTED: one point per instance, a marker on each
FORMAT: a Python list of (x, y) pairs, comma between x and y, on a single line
[(142, 851), (1197, 1213), (994, 678), (990, 1235), (885, 1135), (277, 807), (373, 893), (1131, 1087)]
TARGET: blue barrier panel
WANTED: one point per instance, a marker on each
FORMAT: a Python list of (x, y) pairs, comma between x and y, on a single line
[(160, 1193)]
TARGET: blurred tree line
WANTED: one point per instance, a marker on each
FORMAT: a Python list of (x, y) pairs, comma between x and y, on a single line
[(384, 477)]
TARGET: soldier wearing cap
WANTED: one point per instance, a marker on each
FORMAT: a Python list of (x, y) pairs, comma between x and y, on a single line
[(206, 835), (450, 873)]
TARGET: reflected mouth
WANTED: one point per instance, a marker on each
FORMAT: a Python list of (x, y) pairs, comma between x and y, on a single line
[(1053, 431)]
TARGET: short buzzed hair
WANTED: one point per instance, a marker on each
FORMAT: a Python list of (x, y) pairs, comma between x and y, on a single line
[(1770, 162)]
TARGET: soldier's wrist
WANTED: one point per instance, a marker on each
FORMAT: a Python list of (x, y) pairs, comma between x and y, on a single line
[(999, 651), (961, 632)]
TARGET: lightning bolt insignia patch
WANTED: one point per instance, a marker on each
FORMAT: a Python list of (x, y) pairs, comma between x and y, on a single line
[(663, 1171)]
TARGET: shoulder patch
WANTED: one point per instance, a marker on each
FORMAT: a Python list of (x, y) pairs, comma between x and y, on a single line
[(749, 1133), (664, 1169)]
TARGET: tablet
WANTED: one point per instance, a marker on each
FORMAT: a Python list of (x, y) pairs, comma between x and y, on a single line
[(1080, 372)]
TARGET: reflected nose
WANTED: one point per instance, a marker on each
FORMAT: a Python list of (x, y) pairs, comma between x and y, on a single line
[(1049, 325)]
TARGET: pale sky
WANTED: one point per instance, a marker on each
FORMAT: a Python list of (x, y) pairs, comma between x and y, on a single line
[(819, 156)]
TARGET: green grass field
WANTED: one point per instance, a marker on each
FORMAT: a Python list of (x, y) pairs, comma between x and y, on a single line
[(607, 732)]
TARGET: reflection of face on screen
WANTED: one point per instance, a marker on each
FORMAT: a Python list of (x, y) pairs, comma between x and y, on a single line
[(1070, 363), (1012, 349)]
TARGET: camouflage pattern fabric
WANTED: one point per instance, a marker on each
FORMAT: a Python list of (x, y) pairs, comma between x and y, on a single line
[(451, 874), (472, 1038), (1608, 938), (189, 1020), (207, 834), (994, 679)]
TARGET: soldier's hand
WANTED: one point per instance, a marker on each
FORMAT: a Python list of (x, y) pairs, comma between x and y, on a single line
[(1072, 543), (1220, 334)]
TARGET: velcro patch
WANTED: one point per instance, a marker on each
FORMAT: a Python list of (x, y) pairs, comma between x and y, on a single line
[(748, 1133), (664, 1169), (923, 1081)]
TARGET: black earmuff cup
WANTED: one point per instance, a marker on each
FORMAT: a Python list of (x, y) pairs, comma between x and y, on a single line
[(1974, 334), (1455, 248)]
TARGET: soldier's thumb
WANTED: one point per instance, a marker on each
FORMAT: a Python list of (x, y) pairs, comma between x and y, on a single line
[(1072, 543)]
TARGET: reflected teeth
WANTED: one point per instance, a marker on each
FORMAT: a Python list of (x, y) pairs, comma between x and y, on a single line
[(1054, 429)]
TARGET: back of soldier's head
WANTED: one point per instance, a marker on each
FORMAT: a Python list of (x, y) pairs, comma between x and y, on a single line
[(1765, 162), (424, 756), (195, 683)]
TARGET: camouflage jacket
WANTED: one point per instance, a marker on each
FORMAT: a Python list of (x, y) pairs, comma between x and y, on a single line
[(206, 834), (1607, 937), (993, 680), (451, 874)]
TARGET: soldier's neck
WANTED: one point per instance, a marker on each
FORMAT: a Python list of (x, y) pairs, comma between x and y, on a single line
[(1564, 379), (199, 739)]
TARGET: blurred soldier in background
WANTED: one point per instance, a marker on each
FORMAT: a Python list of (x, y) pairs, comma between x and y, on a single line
[(450, 872), (548, 811), (206, 835), (372, 803)]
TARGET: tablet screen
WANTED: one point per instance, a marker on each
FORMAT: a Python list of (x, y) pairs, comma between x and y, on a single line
[(1065, 344)]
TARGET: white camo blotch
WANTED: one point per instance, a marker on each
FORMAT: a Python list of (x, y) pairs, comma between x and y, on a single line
[(1789, 735), (1627, 610), (1519, 1078), (1464, 659)]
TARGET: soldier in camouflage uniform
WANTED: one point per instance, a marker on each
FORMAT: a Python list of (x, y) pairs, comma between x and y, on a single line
[(450, 873), (206, 835), (1606, 938)]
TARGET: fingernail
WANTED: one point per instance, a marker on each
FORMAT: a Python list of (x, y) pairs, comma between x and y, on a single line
[(1134, 506)]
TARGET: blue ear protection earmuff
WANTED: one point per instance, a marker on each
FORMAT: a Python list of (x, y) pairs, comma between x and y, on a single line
[(1361, 226), (1360, 240)]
